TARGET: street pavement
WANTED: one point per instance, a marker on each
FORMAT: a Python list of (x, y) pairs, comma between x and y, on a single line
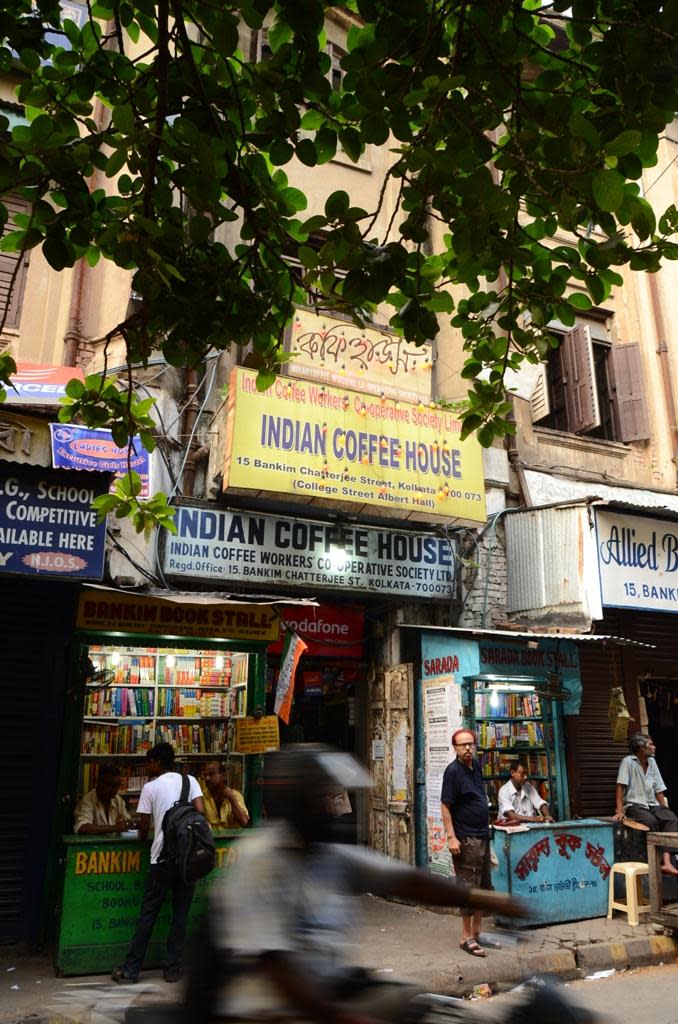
[(643, 994), (397, 940)]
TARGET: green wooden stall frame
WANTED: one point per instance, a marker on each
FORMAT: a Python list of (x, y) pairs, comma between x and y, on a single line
[(73, 902)]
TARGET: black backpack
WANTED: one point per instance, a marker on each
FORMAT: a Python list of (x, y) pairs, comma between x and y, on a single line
[(188, 843)]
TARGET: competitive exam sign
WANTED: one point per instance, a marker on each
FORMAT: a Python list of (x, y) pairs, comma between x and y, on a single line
[(47, 524), (278, 550), (314, 441)]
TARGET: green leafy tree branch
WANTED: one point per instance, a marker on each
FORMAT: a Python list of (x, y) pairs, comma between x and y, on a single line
[(518, 133)]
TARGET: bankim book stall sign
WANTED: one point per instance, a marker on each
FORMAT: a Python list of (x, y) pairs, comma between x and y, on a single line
[(47, 524)]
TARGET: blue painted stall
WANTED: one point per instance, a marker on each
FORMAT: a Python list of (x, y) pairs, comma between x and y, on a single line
[(559, 871)]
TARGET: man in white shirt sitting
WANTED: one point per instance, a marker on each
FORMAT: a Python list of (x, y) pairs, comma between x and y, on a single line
[(158, 796), (102, 811), (519, 801)]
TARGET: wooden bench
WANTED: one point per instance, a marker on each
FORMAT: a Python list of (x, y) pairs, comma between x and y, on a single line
[(656, 843)]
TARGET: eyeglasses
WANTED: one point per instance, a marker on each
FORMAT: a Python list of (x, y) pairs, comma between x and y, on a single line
[(470, 744)]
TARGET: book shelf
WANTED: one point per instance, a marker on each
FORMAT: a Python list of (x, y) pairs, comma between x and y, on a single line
[(511, 726), (153, 695)]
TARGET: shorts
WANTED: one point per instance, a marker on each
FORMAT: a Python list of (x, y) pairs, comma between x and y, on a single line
[(472, 864)]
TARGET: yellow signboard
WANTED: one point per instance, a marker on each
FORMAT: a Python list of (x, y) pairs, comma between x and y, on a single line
[(366, 359), (256, 735), (132, 613), (314, 441)]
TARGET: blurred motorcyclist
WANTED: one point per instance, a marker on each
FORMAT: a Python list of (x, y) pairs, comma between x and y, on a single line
[(280, 924)]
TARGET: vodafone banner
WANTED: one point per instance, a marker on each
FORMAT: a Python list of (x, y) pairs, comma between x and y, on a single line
[(328, 631)]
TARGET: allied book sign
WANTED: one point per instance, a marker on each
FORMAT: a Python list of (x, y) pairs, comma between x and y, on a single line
[(316, 442), (365, 359), (637, 562), (47, 524), (275, 551), (80, 448)]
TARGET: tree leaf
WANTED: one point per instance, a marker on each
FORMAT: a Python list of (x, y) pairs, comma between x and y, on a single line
[(608, 190)]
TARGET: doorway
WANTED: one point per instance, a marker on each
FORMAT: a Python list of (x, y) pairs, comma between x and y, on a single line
[(661, 703)]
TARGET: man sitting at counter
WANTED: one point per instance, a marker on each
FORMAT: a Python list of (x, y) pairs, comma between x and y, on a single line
[(519, 801), (640, 793), (102, 811), (224, 807)]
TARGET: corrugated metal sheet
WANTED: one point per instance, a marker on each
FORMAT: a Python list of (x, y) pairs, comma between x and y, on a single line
[(510, 634), (545, 556), (545, 489)]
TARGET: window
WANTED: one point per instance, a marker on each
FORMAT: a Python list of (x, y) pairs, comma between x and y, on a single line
[(261, 50), (336, 74), (591, 387), (13, 268)]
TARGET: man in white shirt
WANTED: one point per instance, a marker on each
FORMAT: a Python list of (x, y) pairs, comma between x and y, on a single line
[(102, 811), (519, 800), (156, 798)]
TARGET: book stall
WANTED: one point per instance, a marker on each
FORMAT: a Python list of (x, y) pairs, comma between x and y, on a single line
[(146, 671)]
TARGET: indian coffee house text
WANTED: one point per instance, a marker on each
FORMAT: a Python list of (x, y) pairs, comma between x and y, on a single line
[(279, 550)]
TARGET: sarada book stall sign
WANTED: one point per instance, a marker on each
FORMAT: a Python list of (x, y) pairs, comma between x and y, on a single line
[(317, 442), (278, 551), (107, 611), (367, 359)]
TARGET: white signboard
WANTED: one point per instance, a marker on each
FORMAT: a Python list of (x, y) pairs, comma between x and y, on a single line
[(637, 561), (271, 551), (442, 715)]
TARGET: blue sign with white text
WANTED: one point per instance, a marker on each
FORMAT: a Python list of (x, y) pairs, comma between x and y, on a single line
[(94, 449), (47, 524)]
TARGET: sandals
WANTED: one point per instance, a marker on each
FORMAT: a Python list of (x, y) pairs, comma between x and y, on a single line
[(472, 947), (120, 977)]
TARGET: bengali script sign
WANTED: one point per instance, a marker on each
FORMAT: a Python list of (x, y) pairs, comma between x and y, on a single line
[(365, 359), (312, 441)]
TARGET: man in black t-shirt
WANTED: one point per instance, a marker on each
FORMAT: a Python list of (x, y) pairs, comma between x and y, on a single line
[(465, 813)]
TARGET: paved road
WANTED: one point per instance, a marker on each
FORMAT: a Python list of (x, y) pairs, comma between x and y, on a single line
[(647, 995)]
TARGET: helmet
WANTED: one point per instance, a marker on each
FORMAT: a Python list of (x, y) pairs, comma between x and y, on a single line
[(297, 778)]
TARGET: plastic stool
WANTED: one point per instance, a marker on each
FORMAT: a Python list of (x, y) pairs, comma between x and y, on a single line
[(632, 871)]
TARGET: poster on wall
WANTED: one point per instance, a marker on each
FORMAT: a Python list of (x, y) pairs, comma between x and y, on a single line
[(442, 715)]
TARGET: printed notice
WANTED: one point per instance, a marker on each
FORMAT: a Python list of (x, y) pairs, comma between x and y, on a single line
[(442, 715)]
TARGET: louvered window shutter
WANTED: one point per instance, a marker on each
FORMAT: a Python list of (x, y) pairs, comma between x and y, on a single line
[(581, 398), (8, 267), (540, 403), (629, 392)]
